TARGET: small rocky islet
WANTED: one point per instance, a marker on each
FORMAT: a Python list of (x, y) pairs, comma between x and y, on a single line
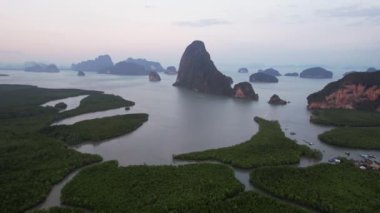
[(261, 77), (171, 70), (154, 76), (271, 71), (316, 73), (276, 100)]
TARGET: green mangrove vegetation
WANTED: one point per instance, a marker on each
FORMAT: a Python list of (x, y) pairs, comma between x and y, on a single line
[(24, 100), (353, 137), (109, 188), (325, 187), (60, 210), (96, 129), (345, 117), (248, 202), (95, 103), (31, 162), (268, 147)]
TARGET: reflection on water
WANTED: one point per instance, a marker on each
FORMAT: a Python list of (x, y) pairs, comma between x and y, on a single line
[(89, 116), (71, 103)]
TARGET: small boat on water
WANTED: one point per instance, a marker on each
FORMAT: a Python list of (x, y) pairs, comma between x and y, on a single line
[(335, 160), (365, 156), (372, 156), (310, 143), (347, 153)]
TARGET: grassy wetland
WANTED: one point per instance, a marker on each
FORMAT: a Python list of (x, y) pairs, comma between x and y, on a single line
[(186, 188), (268, 147), (325, 187), (31, 162)]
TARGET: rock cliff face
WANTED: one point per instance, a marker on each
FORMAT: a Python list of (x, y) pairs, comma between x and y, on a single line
[(52, 68), (263, 78), (197, 72), (100, 64), (317, 73), (244, 90), (276, 100), (271, 71), (358, 90), (154, 76)]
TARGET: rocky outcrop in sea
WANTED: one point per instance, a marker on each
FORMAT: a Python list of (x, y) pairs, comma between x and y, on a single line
[(262, 78), (271, 71), (316, 73), (154, 76), (244, 90), (276, 100)]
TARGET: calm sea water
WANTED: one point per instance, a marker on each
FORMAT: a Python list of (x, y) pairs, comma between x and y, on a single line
[(184, 121)]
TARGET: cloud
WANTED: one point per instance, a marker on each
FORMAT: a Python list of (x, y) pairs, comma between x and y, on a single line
[(352, 12), (202, 23)]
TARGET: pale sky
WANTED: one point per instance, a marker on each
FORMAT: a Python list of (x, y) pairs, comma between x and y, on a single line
[(239, 32)]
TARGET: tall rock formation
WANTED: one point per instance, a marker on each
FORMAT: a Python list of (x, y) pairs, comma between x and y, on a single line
[(358, 90), (100, 64), (197, 72)]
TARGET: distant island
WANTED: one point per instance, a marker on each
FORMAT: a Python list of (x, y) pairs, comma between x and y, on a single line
[(127, 68), (358, 90), (262, 77), (51, 68), (372, 69), (243, 70), (100, 64), (316, 73), (292, 74), (81, 73), (171, 70), (134, 67), (148, 65), (271, 71)]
